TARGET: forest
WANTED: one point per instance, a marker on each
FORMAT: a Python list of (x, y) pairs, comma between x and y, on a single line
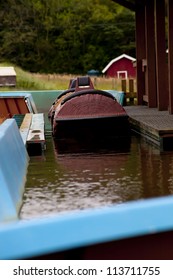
[(64, 36)]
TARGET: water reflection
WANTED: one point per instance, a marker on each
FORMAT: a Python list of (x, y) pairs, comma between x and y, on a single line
[(65, 182), (156, 171)]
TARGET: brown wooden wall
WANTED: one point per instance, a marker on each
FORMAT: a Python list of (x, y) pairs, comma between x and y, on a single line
[(10, 106)]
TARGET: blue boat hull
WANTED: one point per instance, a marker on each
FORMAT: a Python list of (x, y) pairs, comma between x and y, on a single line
[(134, 230)]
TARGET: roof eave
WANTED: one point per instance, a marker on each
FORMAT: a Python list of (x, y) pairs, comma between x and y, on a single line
[(127, 4), (131, 4), (116, 59)]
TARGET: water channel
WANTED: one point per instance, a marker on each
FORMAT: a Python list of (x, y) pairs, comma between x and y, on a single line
[(57, 183)]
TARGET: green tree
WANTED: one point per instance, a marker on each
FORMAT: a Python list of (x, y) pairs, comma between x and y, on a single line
[(64, 36)]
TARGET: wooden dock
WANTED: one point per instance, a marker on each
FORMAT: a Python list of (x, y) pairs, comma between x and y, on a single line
[(32, 133), (155, 126)]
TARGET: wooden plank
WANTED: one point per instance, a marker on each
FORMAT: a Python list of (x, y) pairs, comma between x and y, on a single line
[(156, 126), (161, 65), (151, 89), (25, 126), (131, 85), (127, 4), (12, 106), (140, 52), (170, 54), (21, 104), (131, 95), (2, 119), (36, 131), (123, 85), (145, 98), (4, 112)]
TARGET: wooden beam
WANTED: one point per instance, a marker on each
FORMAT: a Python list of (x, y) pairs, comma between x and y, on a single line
[(131, 4), (25, 126), (170, 54), (36, 130), (161, 65), (151, 88), (127, 4), (140, 53)]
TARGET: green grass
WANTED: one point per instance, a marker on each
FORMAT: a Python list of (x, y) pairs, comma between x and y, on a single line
[(29, 81)]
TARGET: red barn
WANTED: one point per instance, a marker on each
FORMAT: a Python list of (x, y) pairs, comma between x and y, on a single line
[(120, 67)]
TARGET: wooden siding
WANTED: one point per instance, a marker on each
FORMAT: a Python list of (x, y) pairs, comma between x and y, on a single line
[(10, 106), (7, 81), (123, 64), (7, 76)]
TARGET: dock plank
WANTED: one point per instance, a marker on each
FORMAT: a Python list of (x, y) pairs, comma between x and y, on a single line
[(36, 132), (154, 125), (25, 126)]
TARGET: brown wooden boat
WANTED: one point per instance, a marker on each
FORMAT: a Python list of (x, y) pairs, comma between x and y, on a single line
[(91, 117)]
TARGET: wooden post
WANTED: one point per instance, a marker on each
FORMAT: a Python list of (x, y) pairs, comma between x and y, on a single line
[(161, 66), (123, 85), (95, 81), (131, 85), (150, 55), (140, 52), (170, 54)]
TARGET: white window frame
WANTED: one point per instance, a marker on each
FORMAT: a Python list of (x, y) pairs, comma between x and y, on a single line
[(122, 72)]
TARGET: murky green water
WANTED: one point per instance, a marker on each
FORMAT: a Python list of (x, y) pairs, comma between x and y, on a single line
[(60, 183)]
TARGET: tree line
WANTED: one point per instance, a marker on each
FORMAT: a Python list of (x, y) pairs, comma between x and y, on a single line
[(64, 36)]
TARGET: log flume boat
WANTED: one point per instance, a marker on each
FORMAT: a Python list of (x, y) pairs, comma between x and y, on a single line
[(86, 117)]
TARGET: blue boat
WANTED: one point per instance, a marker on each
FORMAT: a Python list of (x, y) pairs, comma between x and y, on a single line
[(130, 231)]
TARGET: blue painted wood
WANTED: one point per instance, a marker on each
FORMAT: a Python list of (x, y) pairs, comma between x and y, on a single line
[(24, 239), (119, 95), (13, 167)]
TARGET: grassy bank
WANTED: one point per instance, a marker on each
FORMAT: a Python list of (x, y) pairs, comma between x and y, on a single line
[(62, 81), (30, 81)]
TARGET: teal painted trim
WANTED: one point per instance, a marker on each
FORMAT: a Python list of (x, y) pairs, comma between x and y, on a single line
[(13, 168), (25, 239), (27, 95), (119, 95), (42, 99), (18, 119)]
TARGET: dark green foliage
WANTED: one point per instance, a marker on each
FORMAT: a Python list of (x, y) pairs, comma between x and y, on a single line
[(64, 36)]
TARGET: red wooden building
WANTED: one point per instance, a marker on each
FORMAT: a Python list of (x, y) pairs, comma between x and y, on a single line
[(154, 34), (120, 67)]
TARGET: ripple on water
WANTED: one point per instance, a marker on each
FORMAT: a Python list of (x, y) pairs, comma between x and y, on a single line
[(63, 183)]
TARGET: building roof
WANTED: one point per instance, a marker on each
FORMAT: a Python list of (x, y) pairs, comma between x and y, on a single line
[(130, 4), (7, 71), (116, 59)]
